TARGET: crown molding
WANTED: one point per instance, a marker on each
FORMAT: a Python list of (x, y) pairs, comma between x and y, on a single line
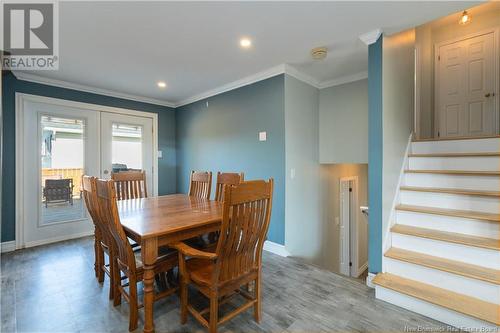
[(294, 72), (266, 74), (80, 87), (343, 80), (371, 36)]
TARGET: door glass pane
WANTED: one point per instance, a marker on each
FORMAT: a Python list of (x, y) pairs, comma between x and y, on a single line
[(126, 147), (62, 165)]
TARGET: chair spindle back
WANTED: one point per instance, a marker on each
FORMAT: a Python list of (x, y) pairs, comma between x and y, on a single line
[(130, 184), (226, 178), (200, 184)]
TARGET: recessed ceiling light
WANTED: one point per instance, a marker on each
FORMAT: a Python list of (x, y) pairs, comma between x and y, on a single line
[(245, 43), (161, 84)]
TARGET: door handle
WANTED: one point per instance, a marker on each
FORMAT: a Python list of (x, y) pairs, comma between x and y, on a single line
[(487, 95), (106, 172)]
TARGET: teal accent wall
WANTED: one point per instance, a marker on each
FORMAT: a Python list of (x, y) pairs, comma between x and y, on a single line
[(223, 136), (375, 156), (11, 85)]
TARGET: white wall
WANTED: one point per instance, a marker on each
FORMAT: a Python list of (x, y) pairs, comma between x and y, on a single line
[(330, 213), (343, 123), (397, 108), (484, 17), (303, 229)]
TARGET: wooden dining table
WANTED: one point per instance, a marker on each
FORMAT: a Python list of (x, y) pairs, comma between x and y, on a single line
[(163, 220)]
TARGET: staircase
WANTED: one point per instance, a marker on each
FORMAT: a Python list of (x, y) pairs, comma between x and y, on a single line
[(444, 254)]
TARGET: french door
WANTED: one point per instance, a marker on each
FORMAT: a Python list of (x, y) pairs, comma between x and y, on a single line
[(60, 144)]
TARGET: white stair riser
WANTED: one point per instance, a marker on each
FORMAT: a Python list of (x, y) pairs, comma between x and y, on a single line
[(468, 254), (430, 310), (455, 163), (482, 290), (449, 223), (483, 183), (451, 201), (456, 146)]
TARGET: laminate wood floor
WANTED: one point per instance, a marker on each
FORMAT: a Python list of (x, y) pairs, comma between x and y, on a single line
[(52, 288)]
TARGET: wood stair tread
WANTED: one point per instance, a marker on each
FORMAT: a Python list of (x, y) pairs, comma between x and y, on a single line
[(457, 172), (485, 154), (468, 214), (457, 138), (451, 237), (446, 265), (451, 300), (451, 191)]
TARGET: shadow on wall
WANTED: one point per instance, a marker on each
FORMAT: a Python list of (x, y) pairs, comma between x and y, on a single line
[(330, 213)]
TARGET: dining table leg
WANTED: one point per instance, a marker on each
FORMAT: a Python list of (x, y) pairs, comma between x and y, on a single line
[(149, 253)]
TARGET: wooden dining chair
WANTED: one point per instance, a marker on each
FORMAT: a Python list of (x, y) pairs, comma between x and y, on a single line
[(102, 237), (130, 184), (226, 178), (223, 178), (237, 260), (200, 184), (128, 262)]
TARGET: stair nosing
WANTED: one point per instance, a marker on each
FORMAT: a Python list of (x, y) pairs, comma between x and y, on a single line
[(463, 138), (451, 155), (390, 254), (445, 236), (456, 172), (467, 214), (424, 292), (478, 193)]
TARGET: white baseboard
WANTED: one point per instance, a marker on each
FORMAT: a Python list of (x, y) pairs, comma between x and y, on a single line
[(276, 248), (369, 279), (58, 239), (8, 246)]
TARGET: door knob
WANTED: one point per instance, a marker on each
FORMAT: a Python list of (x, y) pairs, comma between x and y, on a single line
[(487, 95), (106, 172)]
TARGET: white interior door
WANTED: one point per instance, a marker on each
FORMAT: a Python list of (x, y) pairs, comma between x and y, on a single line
[(467, 87), (345, 212), (127, 142), (59, 145)]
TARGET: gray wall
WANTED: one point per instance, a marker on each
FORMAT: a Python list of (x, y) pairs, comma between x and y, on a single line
[(397, 121), (223, 136), (303, 232), (343, 123)]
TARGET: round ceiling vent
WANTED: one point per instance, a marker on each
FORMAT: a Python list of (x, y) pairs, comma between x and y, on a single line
[(319, 53)]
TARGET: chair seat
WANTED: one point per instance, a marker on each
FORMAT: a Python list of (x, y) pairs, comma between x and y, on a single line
[(165, 255), (200, 270)]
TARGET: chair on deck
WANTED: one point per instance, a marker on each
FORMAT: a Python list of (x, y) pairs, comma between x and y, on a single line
[(60, 190), (130, 184), (129, 261), (237, 260)]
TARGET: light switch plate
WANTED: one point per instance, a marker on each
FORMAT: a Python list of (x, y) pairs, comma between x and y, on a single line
[(160, 154), (262, 136)]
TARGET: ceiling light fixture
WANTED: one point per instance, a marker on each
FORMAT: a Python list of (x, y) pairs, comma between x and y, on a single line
[(245, 43), (465, 19), (161, 84), (319, 53)]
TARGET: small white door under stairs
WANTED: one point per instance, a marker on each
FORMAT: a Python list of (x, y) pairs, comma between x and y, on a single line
[(444, 254)]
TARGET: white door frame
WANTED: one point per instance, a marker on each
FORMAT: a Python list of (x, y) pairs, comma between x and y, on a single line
[(20, 99), (496, 64), (351, 226)]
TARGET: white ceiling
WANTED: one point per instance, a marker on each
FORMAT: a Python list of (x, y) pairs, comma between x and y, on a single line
[(128, 46)]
